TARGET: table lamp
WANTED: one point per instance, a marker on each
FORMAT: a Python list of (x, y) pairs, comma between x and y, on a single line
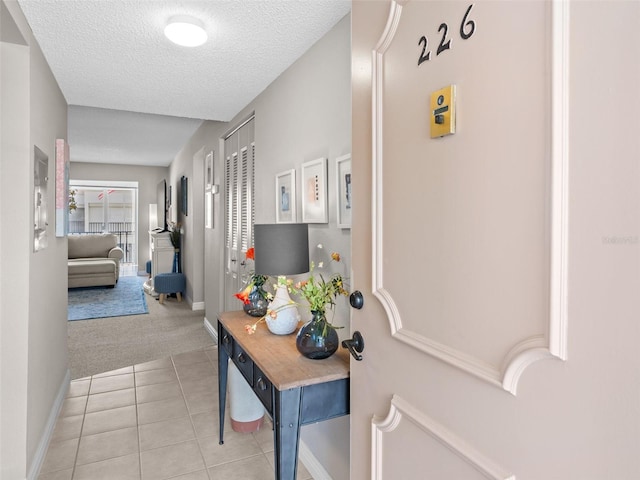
[(282, 249)]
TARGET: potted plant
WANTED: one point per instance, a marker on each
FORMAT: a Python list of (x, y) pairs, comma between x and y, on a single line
[(318, 338)]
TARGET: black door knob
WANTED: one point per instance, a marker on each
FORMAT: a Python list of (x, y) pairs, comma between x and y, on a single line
[(356, 299), (355, 345)]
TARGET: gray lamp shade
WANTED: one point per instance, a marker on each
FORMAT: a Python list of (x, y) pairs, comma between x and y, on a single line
[(281, 249)]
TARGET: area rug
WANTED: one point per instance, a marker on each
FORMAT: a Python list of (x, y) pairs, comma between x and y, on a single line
[(126, 298)]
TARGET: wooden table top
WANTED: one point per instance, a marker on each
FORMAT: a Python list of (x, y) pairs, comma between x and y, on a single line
[(277, 355)]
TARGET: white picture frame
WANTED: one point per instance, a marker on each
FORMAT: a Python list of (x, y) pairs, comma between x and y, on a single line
[(343, 189), (314, 191), (286, 197)]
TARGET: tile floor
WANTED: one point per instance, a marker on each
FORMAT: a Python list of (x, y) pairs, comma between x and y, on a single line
[(154, 421)]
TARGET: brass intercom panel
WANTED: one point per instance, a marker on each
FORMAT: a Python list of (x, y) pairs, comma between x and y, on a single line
[(443, 112)]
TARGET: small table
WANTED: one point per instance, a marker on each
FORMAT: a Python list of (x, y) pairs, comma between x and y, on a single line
[(294, 390)]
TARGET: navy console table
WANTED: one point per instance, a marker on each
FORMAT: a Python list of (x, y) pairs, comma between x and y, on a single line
[(294, 390)]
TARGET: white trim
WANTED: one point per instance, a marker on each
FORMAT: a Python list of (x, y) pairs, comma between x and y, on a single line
[(239, 126), (43, 444), (103, 183), (311, 463), (376, 174), (211, 330), (530, 350), (450, 355), (197, 306), (400, 410), (560, 179)]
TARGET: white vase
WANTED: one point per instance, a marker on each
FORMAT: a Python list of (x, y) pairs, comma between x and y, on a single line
[(288, 317)]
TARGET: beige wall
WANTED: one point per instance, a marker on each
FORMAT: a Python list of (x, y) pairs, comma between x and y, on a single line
[(147, 178), (190, 163), (202, 262), (33, 320), (14, 294)]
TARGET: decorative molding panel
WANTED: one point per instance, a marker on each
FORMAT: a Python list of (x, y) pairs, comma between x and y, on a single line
[(551, 343), (560, 178), (462, 453)]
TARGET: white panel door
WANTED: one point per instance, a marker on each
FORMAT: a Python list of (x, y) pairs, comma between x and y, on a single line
[(459, 242)]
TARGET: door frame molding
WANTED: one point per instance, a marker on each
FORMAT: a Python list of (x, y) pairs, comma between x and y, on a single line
[(402, 411), (552, 344)]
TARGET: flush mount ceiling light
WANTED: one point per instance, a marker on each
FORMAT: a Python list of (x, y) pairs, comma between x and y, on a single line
[(186, 31)]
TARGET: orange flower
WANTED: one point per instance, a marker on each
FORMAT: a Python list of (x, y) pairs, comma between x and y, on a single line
[(273, 314), (251, 254), (244, 294), (335, 256), (251, 329)]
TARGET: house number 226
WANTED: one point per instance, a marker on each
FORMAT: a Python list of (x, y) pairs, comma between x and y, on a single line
[(467, 28)]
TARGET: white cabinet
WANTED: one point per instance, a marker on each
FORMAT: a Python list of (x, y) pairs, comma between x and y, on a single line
[(162, 253)]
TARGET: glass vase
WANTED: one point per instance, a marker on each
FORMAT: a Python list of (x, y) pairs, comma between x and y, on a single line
[(257, 306), (177, 268), (317, 339)]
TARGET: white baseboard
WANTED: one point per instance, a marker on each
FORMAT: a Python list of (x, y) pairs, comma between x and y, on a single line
[(41, 451), (197, 306), (211, 330), (312, 464)]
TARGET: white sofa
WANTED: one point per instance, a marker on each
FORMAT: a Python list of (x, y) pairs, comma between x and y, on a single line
[(93, 260)]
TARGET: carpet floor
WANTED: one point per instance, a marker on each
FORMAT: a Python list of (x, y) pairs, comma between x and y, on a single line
[(126, 298), (105, 344)]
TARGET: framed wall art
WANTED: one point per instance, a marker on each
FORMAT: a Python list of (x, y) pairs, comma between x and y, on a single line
[(343, 187), (209, 190), (184, 195), (62, 188), (286, 197), (40, 189), (314, 191)]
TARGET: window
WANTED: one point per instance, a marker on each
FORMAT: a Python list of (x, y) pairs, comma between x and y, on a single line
[(106, 207)]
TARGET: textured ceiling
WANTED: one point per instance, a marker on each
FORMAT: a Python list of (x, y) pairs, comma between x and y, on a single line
[(112, 54)]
